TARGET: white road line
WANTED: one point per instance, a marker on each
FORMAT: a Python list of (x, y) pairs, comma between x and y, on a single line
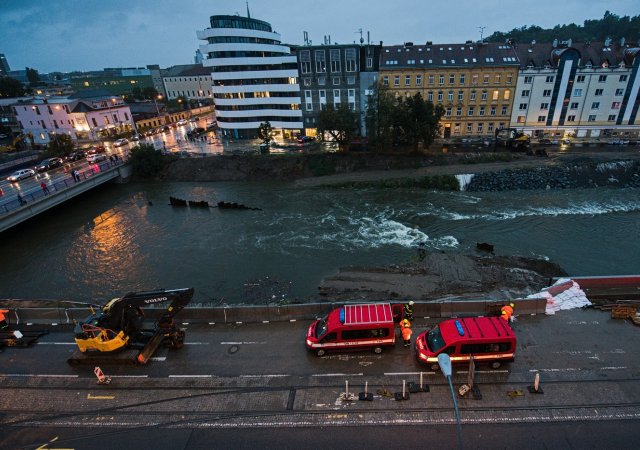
[(576, 369), (196, 343), (129, 376), (275, 375), (241, 343), (56, 343), (337, 375), (39, 375), (483, 371), (392, 374), (159, 358), (190, 376)]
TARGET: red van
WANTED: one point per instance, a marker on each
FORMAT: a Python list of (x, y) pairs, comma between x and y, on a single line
[(353, 327), (487, 339)]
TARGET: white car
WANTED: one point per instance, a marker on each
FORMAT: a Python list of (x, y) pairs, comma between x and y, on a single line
[(21, 175), (97, 157), (120, 142)]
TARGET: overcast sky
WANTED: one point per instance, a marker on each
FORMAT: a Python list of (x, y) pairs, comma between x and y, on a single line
[(65, 35)]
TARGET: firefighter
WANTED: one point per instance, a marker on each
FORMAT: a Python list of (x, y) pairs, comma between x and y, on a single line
[(507, 311), (406, 335), (408, 310), (404, 324), (3, 319)]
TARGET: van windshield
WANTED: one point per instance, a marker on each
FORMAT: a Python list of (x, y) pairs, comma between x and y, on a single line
[(435, 341), (321, 328)]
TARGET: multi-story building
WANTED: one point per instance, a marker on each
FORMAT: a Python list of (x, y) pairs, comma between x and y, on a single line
[(117, 81), (474, 82), (85, 115), (4, 65), (191, 81), (334, 75), (255, 77), (578, 89)]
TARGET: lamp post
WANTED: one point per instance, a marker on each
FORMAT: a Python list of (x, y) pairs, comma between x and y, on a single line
[(445, 365), (158, 97)]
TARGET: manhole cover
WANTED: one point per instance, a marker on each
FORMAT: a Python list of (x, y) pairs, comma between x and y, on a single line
[(233, 349)]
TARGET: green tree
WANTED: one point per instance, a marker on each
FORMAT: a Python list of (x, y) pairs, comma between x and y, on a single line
[(33, 76), (10, 87), (146, 161), (340, 123), (149, 93), (264, 132), (60, 145)]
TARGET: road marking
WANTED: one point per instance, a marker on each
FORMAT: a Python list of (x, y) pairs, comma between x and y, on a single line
[(241, 343), (337, 375), (483, 371), (40, 375), (275, 375), (100, 397), (392, 374), (190, 376), (196, 343), (158, 358), (57, 343), (129, 376), (577, 369)]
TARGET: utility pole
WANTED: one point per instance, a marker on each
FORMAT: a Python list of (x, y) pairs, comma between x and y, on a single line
[(481, 33)]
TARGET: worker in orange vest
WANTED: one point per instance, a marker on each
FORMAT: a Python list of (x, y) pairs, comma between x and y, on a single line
[(507, 311), (3, 319), (406, 335)]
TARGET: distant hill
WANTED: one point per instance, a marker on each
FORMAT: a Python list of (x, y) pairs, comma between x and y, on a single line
[(611, 25)]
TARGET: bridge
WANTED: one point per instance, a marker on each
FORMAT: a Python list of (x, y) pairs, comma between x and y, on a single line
[(31, 202)]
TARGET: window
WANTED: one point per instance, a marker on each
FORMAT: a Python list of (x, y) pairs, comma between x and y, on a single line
[(472, 97), (351, 93), (580, 79), (431, 79), (450, 96), (385, 80), (459, 111), (544, 106), (480, 126), (350, 60), (546, 93), (492, 111), (471, 109), (525, 93), (611, 118), (430, 96), (336, 81), (599, 92), (481, 111), (619, 92), (322, 81), (321, 63), (307, 96), (469, 128), (574, 105), (305, 61), (460, 96), (622, 78), (323, 95), (549, 79), (440, 96), (365, 334), (520, 119), (396, 80), (495, 95), (592, 118), (456, 128), (448, 112), (407, 80), (504, 110), (441, 79), (307, 81), (490, 127), (484, 95), (462, 77), (334, 58), (571, 118), (542, 118), (369, 62), (507, 94), (615, 105), (497, 78), (509, 78), (528, 80), (474, 79), (309, 106), (485, 79), (452, 78), (336, 96), (418, 80), (595, 105), (602, 79), (577, 92)]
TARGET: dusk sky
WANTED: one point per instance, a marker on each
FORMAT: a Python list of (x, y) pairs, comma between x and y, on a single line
[(66, 35)]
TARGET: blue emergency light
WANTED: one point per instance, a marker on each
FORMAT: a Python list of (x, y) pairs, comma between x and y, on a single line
[(459, 327), (341, 315)]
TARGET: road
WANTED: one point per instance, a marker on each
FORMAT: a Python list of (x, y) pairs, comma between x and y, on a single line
[(244, 385)]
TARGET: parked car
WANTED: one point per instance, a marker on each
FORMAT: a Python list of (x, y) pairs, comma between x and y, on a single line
[(120, 142), (135, 139), (305, 139), (21, 175), (48, 164), (96, 157), (181, 122), (75, 156), (96, 149)]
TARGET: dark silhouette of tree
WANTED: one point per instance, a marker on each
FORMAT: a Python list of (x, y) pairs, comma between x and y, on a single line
[(264, 132), (340, 123), (10, 87), (60, 145)]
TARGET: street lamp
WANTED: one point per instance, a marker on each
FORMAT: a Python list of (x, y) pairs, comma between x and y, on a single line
[(445, 365), (158, 97)]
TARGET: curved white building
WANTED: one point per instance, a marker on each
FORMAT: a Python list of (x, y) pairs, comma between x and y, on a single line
[(255, 77)]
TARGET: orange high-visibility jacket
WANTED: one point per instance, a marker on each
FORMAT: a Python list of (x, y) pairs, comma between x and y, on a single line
[(406, 333), (506, 312)]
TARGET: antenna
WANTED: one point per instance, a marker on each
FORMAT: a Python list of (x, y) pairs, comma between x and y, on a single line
[(248, 13), (361, 38), (305, 37), (481, 33)]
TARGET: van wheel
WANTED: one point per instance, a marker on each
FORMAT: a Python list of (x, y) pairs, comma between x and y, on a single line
[(377, 350), (435, 367), (496, 364), (321, 352)]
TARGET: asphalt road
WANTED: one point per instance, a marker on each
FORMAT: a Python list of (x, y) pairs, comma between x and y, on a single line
[(249, 385)]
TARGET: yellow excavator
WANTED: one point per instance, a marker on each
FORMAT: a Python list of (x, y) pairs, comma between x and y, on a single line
[(120, 330), (512, 139)]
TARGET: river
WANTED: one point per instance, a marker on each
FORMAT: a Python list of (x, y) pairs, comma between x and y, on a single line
[(122, 238)]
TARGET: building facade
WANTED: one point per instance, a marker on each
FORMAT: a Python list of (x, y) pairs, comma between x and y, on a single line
[(335, 75), (82, 116), (583, 90), (4, 65), (191, 81), (255, 77), (117, 81), (473, 82)]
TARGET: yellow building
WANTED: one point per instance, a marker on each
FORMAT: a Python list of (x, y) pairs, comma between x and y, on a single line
[(474, 82)]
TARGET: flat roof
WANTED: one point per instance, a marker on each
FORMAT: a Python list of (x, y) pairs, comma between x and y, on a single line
[(366, 314), (475, 328)]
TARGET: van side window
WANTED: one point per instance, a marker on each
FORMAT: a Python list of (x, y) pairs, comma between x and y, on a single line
[(365, 334), (485, 348), (329, 337), (449, 350)]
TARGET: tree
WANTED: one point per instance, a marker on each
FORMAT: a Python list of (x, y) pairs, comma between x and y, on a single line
[(149, 93), (33, 76), (60, 145), (340, 123), (146, 161), (264, 132), (10, 87)]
